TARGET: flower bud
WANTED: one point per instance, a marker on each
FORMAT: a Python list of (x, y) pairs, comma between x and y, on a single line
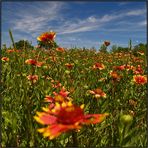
[(67, 72), (126, 119)]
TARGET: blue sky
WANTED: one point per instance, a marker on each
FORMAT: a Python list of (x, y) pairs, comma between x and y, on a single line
[(80, 24)]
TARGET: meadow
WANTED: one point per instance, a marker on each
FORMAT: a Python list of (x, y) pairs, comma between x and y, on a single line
[(57, 97)]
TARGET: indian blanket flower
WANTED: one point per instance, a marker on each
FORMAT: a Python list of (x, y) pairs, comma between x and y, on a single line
[(69, 65), (139, 79), (115, 75), (34, 62), (97, 93), (129, 67), (121, 67), (99, 66), (32, 78), (5, 59), (138, 70), (47, 36), (60, 49), (141, 52), (12, 50), (65, 117), (106, 43), (60, 97)]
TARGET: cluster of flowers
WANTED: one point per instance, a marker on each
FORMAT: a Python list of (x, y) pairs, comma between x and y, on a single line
[(62, 115)]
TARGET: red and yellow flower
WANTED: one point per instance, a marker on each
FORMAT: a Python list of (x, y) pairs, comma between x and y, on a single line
[(115, 75), (139, 79), (69, 65), (99, 66), (106, 43), (98, 93), (33, 78), (47, 36), (65, 117), (60, 49), (34, 62), (5, 59)]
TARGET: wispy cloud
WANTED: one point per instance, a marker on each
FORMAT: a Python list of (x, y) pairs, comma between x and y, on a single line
[(37, 18), (94, 23), (28, 20)]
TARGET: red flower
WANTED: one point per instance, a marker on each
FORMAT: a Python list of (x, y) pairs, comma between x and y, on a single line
[(47, 36), (98, 93), (140, 80), (122, 67), (5, 59), (32, 78), (69, 65), (60, 49), (64, 117), (31, 62), (106, 43), (34, 62), (115, 75), (138, 70), (12, 50), (60, 97), (99, 66)]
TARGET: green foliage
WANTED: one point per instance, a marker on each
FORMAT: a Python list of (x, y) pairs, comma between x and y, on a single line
[(22, 44), (103, 48), (21, 98)]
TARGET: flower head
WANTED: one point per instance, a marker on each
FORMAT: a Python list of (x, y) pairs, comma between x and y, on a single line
[(69, 65), (115, 75), (64, 117), (47, 36), (139, 79), (5, 59), (32, 78), (97, 93), (60, 49), (99, 66), (106, 43), (138, 70), (122, 67), (34, 62)]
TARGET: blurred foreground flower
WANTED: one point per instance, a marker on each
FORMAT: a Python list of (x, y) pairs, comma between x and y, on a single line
[(64, 117)]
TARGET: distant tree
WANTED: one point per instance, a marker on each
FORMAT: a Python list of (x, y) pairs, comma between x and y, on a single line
[(23, 44), (4, 46), (114, 48)]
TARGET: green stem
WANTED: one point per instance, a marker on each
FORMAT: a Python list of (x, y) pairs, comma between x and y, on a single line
[(74, 138), (122, 135), (11, 37)]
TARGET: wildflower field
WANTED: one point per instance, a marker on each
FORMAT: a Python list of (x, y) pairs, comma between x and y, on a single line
[(57, 97)]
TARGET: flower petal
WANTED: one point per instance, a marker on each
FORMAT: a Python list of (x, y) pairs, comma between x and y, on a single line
[(45, 118)]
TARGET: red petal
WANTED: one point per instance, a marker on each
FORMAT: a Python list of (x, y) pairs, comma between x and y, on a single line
[(47, 119), (94, 118)]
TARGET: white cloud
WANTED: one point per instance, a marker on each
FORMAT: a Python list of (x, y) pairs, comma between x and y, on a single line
[(136, 12), (143, 23), (37, 18), (94, 23)]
